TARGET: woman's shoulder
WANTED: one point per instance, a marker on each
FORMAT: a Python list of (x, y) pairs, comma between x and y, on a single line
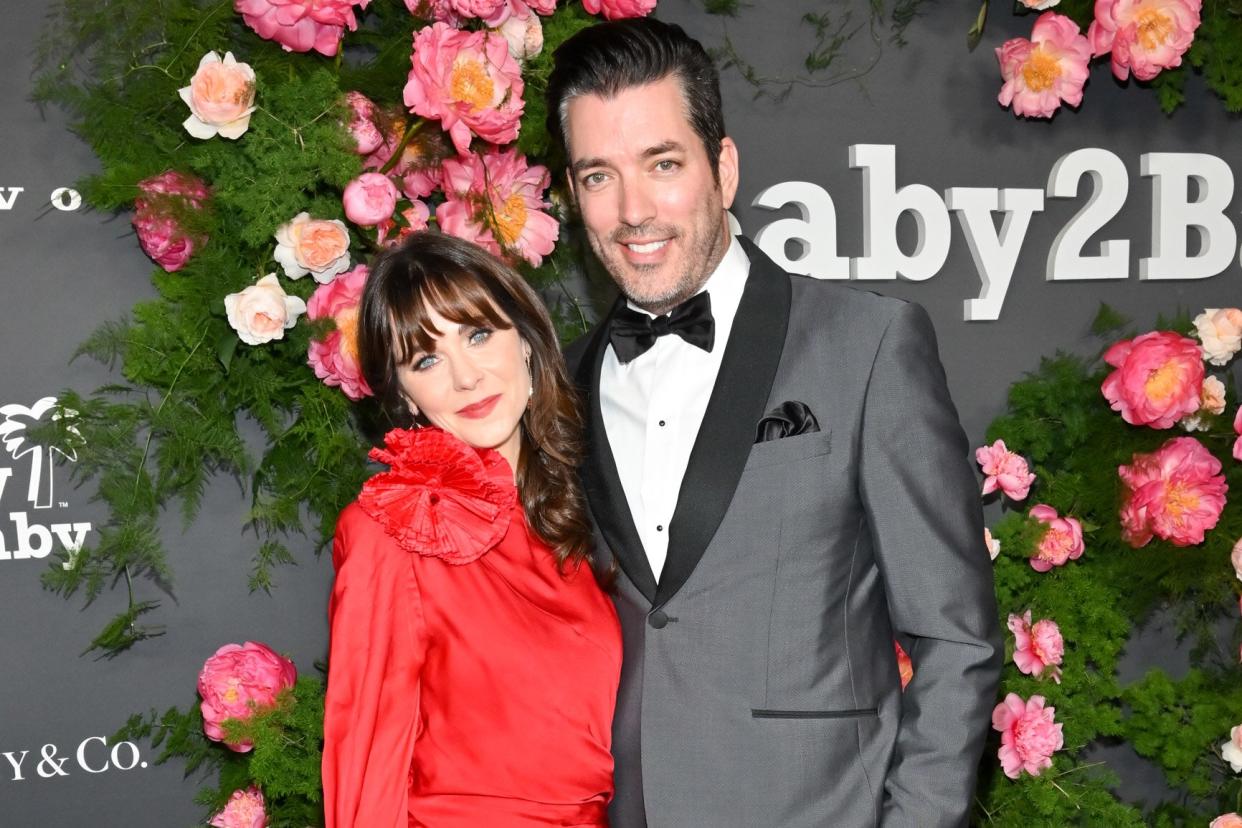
[(439, 496)]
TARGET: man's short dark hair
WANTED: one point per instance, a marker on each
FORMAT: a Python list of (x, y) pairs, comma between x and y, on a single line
[(611, 57)]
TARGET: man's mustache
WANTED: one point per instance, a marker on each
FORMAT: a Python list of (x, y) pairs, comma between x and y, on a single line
[(645, 232)]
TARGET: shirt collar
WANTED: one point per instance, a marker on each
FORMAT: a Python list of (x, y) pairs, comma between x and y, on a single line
[(725, 285)]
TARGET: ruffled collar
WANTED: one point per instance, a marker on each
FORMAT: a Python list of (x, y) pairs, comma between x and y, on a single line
[(440, 497)]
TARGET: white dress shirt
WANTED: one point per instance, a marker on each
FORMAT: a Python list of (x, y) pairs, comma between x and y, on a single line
[(654, 404)]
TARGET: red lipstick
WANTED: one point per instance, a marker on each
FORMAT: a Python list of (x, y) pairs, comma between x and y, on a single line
[(479, 410)]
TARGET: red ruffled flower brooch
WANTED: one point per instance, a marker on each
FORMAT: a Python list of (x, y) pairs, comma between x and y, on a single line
[(440, 497)]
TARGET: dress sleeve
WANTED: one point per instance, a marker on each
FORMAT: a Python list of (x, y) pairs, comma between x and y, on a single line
[(377, 648)]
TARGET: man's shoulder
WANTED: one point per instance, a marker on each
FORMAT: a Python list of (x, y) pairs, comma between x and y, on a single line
[(817, 299)]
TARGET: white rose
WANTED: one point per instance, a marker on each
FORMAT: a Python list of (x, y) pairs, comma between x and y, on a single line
[(263, 311), (1231, 752), (1220, 333)]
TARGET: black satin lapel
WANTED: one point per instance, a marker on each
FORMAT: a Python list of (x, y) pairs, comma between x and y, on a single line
[(739, 400), (599, 474)]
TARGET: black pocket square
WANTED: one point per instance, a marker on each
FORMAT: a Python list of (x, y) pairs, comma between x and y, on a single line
[(788, 419)]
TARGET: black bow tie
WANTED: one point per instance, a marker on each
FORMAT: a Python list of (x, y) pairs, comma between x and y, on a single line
[(633, 333)]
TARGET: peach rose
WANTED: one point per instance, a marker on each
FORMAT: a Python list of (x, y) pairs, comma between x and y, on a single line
[(220, 97), (1235, 558), (1220, 332), (263, 311), (1229, 820), (524, 36), (1231, 751), (1211, 402), (315, 246)]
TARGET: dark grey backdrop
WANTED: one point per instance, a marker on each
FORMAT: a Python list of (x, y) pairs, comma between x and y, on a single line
[(65, 272)]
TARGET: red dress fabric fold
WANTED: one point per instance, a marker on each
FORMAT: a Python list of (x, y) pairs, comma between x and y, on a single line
[(471, 683)]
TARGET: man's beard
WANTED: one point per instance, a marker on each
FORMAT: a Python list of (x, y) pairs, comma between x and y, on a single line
[(700, 259)]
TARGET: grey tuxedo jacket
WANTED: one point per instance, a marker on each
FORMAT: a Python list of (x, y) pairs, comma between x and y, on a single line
[(759, 686)]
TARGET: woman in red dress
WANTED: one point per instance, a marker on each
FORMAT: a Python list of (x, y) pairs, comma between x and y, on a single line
[(474, 659)]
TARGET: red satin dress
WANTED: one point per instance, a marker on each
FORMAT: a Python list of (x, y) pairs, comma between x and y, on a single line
[(471, 684)]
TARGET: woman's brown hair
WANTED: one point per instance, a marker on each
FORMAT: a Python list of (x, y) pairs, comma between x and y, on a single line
[(467, 285)]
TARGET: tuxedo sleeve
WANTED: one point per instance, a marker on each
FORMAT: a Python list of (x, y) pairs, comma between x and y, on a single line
[(924, 511), (371, 709)]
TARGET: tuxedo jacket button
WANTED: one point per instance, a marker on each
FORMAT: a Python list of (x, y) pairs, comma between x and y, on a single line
[(657, 619)]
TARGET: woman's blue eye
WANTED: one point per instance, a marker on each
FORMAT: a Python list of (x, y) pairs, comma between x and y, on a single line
[(424, 362), (479, 335)]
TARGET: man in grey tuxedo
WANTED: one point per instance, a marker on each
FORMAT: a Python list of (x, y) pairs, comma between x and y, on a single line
[(777, 468)]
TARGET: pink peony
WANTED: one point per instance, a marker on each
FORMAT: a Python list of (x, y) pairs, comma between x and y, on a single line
[(1158, 379), (1062, 540), (164, 200), (619, 9), (1029, 735), (1038, 646), (220, 97), (237, 680), (244, 810), (1237, 429), (1004, 470), (335, 356), (1229, 820), (365, 124), (438, 10), (369, 199), (1049, 68), (1176, 493), (301, 25), (414, 218), (418, 166), (263, 311), (487, 10), (467, 80), (1220, 332), (1144, 36), (496, 201)]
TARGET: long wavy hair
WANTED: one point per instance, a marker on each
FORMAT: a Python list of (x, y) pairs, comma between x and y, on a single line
[(466, 285)]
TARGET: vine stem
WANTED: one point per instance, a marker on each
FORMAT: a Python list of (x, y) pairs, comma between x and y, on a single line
[(146, 449), (410, 132)]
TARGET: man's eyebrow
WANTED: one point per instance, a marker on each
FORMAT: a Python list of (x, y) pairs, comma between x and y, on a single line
[(658, 149)]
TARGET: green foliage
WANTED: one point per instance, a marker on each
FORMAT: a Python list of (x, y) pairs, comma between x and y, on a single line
[(1059, 419)]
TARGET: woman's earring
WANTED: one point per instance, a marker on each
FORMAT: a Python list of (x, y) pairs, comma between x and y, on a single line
[(531, 392)]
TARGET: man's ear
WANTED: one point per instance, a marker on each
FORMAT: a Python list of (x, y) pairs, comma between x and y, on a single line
[(727, 169)]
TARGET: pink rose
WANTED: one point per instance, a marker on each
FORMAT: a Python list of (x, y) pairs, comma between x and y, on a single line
[(991, 543), (1038, 646), (365, 124), (220, 97), (1062, 540), (1220, 332), (619, 9), (1231, 751), (263, 311), (163, 203), (1029, 735), (369, 199), (238, 680), (1004, 470), (496, 201), (301, 25), (1176, 493), (1144, 36), (1229, 820), (244, 810), (467, 80), (1049, 68), (414, 218), (335, 357), (1237, 429), (524, 36), (315, 246), (1158, 379)]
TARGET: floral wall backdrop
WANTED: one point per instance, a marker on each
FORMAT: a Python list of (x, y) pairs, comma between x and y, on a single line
[(247, 146)]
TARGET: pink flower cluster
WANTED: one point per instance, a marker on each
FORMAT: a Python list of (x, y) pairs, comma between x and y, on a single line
[(1143, 37), (245, 809), (335, 357), (1038, 646), (1046, 70), (619, 9), (1158, 378), (1029, 735), (238, 680), (163, 201), (1176, 493), (301, 25), (1004, 470), (1062, 541), (468, 81), (496, 201)]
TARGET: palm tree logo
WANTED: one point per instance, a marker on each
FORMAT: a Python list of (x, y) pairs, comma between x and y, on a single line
[(14, 428)]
